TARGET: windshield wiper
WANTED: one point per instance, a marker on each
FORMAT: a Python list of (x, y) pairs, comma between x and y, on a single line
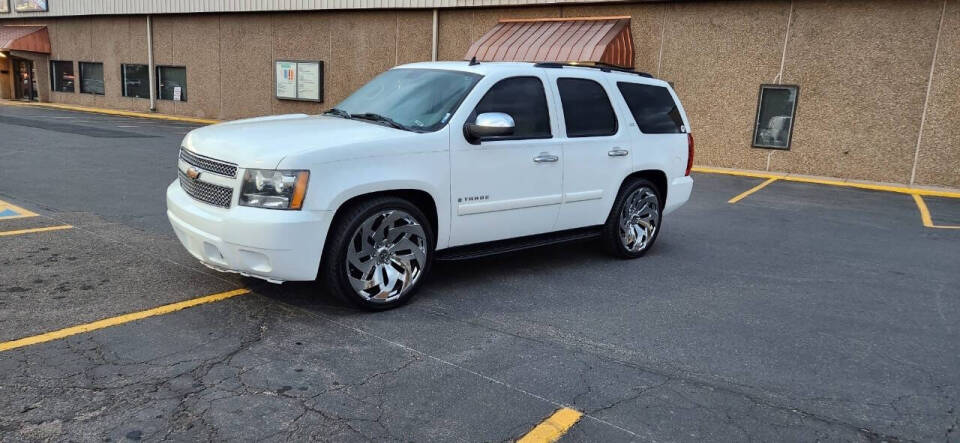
[(339, 113), (380, 118)]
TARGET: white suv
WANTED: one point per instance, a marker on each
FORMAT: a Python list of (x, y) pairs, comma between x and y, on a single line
[(441, 160)]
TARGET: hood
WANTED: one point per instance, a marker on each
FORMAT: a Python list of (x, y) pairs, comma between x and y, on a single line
[(264, 141)]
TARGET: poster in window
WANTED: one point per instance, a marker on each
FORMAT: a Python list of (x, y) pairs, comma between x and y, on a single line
[(4, 6), (776, 107), (287, 80), (30, 5), (308, 81)]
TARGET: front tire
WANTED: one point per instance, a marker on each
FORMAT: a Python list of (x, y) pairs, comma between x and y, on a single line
[(378, 252), (634, 221)]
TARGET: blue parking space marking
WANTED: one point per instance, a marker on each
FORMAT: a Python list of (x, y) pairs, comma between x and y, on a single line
[(9, 211)]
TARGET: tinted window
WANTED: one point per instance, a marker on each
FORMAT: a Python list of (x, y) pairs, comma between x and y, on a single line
[(170, 80), (524, 100), (136, 80), (61, 76), (586, 108), (91, 78), (653, 108)]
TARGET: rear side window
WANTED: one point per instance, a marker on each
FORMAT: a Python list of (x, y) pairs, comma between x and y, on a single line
[(653, 108), (524, 100), (586, 108)]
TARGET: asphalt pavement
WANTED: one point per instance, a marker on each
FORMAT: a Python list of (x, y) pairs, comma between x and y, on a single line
[(802, 312)]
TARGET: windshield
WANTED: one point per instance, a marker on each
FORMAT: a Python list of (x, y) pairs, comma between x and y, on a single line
[(421, 100)]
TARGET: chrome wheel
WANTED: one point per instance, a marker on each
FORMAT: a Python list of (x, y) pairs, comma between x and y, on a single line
[(386, 255), (639, 219)]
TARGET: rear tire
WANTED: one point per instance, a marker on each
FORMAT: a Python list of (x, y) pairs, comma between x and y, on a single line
[(377, 253), (634, 221)]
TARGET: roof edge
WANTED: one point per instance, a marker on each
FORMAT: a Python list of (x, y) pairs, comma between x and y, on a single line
[(563, 19)]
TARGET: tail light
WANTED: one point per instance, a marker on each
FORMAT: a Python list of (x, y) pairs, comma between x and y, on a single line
[(689, 153)]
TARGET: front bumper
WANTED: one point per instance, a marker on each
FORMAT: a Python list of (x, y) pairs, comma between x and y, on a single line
[(270, 244)]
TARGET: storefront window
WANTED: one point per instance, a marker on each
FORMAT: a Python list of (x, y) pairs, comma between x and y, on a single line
[(61, 76), (136, 80), (775, 110), (172, 83), (91, 78)]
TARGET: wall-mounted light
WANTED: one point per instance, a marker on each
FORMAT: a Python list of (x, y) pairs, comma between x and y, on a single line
[(2, 55)]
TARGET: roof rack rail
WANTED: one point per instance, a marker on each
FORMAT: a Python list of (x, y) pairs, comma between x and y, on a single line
[(601, 66)]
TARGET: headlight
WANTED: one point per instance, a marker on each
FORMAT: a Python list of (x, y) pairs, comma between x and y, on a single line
[(273, 189)]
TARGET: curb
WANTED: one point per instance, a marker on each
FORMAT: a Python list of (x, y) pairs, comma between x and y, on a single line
[(924, 191), (203, 121)]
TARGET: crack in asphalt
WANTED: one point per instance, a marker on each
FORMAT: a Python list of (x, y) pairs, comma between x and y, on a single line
[(684, 376)]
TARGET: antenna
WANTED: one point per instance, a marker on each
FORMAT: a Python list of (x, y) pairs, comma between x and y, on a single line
[(473, 61)]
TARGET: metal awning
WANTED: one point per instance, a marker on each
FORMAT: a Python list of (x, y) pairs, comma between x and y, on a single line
[(25, 38), (604, 40)]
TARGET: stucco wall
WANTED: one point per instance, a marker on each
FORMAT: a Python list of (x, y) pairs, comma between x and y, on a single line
[(718, 56), (862, 67), (229, 58), (939, 155)]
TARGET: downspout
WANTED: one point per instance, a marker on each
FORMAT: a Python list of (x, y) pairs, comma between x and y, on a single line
[(153, 71), (436, 37), (783, 61)]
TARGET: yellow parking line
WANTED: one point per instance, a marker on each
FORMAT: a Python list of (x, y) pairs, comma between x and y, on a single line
[(820, 181), (925, 214), (32, 230), (554, 427), (752, 190), (21, 213), (114, 321)]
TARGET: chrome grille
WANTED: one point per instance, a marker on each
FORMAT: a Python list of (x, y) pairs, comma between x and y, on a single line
[(208, 164), (206, 192)]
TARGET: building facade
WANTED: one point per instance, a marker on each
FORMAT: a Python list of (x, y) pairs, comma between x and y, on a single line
[(867, 89)]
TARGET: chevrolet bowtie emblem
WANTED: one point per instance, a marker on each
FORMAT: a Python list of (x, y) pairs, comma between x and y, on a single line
[(193, 173)]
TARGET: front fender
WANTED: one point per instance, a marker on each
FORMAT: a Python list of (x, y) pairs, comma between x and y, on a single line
[(333, 184)]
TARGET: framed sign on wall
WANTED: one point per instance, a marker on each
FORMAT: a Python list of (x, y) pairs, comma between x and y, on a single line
[(30, 5), (299, 80)]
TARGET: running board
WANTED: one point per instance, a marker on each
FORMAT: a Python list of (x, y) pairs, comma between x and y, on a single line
[(515, 244)]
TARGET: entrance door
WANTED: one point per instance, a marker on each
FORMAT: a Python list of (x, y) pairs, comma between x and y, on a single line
[(25, 84)]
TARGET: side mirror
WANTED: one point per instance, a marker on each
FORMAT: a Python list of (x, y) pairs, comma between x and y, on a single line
[(489, 124)]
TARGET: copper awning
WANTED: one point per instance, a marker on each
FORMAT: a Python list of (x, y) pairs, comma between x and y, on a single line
[(582, 39), (25, 38)]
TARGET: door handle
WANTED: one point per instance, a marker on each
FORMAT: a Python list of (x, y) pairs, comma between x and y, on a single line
[(618, 152), (545, 158)]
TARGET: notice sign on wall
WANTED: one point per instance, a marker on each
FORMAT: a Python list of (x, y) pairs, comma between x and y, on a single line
[(299, 80)]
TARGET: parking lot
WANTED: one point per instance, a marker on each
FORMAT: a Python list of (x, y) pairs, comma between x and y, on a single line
[(799, 312)]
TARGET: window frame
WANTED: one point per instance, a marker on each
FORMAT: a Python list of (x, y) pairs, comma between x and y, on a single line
[(53, 76), (80, 78), (616, 116), (183, 97), (123, 80), (472, 117), (793, 116)]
